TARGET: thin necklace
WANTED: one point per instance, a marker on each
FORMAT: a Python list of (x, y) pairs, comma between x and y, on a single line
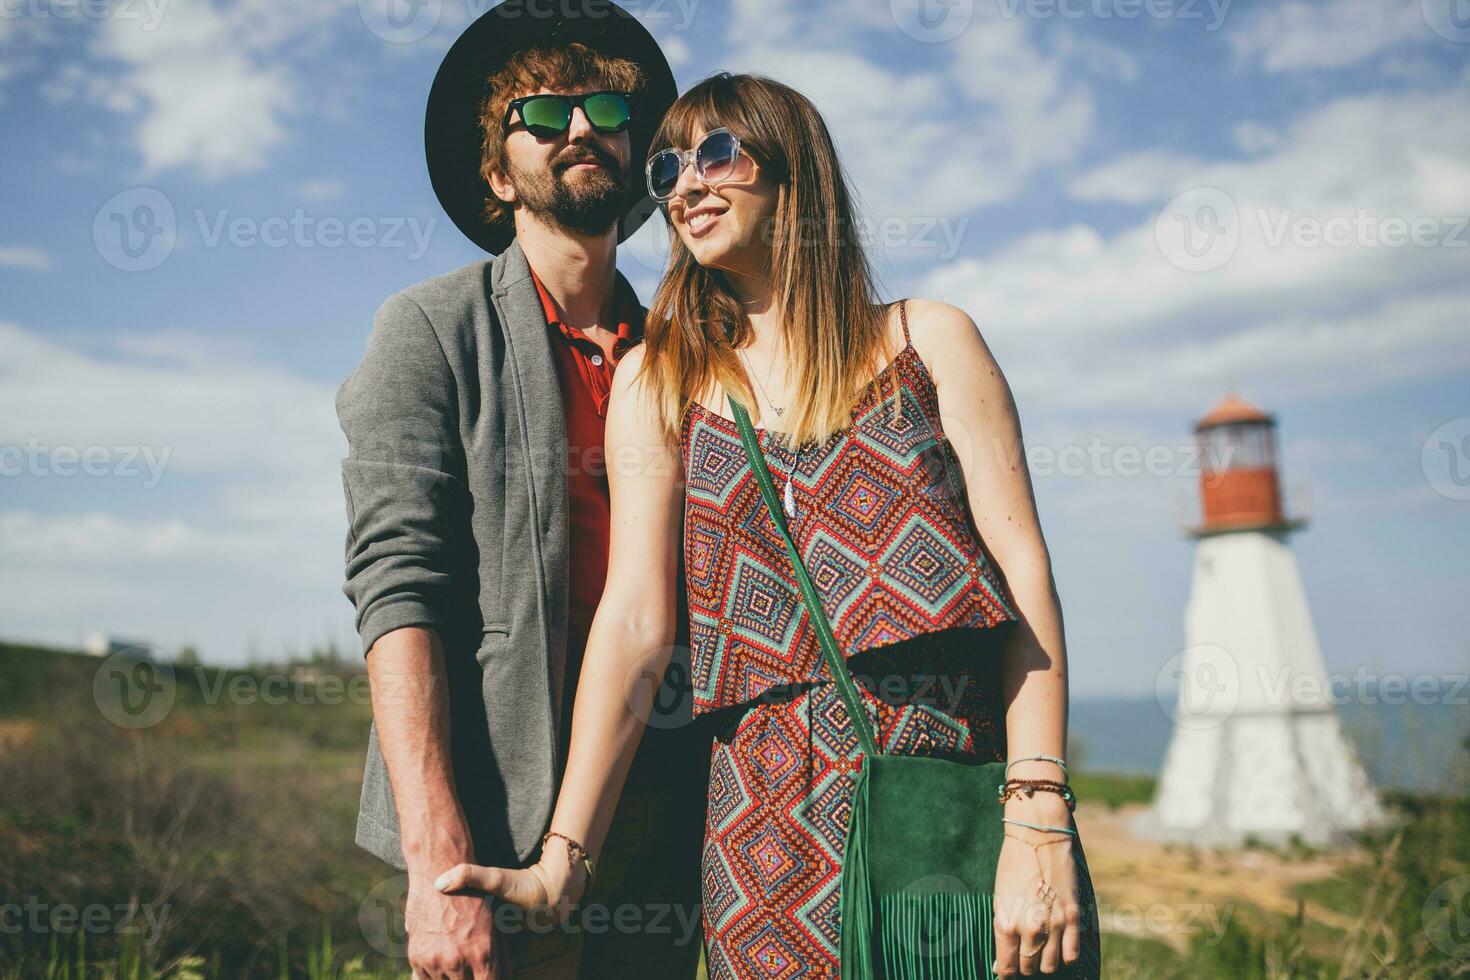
[(788, 496), (778, 409)]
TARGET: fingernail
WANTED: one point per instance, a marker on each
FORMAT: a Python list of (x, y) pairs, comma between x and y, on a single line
[(442, 882)]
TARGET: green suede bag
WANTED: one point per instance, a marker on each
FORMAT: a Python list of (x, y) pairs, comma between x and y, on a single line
[(923, 840)]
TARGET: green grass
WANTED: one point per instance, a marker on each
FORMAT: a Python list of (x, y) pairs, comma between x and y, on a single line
[(238, 819), (1111, 789)]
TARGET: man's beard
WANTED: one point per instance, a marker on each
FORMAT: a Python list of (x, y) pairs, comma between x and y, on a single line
[(589, 203)]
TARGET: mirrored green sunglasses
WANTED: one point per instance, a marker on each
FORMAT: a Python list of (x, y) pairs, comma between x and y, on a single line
[(551, 114)]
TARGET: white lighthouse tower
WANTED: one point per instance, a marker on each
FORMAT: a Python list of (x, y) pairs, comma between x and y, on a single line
[(1257, 750)]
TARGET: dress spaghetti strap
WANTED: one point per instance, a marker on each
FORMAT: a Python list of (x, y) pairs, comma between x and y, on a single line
[(903, 318)]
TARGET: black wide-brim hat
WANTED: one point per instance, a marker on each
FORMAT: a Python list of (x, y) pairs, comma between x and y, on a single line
[(452, 135)]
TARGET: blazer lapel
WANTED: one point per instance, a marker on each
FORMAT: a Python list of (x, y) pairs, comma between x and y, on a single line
[(536, 400)]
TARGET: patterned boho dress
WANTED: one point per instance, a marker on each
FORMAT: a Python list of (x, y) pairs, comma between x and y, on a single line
[(885, 531)]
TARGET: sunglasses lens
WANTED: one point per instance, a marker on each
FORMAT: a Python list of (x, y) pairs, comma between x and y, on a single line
[(546, 115), (716, 156), (607, 111), (663, 174)]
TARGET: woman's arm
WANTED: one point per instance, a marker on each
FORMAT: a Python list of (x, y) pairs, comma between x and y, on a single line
[(633, 631), (981, 423), (628, 647)]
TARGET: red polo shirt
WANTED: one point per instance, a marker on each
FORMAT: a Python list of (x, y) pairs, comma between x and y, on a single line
[(585, 373)]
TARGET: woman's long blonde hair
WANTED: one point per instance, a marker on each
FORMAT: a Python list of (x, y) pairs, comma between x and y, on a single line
[(820, 275)]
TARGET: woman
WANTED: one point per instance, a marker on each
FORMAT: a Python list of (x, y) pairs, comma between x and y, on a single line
[(769, 297)]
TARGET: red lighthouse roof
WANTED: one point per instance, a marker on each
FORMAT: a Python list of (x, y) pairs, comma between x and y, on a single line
[(1231, 409), (1240, 489)]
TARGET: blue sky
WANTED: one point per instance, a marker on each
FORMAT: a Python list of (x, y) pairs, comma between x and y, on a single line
[(1129, 197)]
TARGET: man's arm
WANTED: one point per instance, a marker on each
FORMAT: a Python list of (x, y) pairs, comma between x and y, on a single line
[(407, 508), (450, 936)]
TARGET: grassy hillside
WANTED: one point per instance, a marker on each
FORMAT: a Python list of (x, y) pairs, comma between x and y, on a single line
[(216, 841)]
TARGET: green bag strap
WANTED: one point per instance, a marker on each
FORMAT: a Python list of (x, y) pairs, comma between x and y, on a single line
[(835, 663)]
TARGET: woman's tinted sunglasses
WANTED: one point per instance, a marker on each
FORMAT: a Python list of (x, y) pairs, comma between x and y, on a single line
[(714, 159), (550, 115)]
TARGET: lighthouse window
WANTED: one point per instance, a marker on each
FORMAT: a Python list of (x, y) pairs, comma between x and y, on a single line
[(1234, 447)]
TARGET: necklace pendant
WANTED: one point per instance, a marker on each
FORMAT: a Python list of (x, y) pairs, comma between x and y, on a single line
[(788, 501), (778, 411)]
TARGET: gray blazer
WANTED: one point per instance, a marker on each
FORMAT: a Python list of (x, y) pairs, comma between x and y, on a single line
[(456, 492)]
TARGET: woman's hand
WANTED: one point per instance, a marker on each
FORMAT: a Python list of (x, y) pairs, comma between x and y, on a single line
[(1029, 919), (554, 882)]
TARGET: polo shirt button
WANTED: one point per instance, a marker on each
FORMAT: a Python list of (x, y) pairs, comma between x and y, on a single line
[(597, 359)]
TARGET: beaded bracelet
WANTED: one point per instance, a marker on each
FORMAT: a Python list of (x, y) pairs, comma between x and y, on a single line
[(1028, 788), (575, 852)]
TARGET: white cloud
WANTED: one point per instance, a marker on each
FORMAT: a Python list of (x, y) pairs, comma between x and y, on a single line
[(1283, 359), (211, 84), (209, 103), (1133, 329), (1252, 136), (981, 114), (1378, 158), (23, 257), (1299, 35), (171, 421), (318, 189)]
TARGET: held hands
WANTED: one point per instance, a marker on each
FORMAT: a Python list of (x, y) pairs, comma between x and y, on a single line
[(1038, 920), (451, 937), (553, 883)]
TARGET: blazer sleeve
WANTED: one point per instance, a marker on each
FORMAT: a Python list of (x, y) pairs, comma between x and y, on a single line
[(403, 476)]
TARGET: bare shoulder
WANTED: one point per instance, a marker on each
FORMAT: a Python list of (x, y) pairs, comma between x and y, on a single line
[(631, 412), (950, 343), (631, 359)]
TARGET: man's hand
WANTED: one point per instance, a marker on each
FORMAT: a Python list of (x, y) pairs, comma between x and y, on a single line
[(450, 937)]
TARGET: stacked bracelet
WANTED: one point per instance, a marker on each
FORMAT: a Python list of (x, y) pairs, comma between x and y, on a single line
[(1028, 788), (1038, 826), (1043, 758)]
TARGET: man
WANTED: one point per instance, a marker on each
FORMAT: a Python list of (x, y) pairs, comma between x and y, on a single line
[(478, 511)]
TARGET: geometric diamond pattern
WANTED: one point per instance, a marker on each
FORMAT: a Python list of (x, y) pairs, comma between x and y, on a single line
[(772, 861), (883, 526), (884, 529)]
